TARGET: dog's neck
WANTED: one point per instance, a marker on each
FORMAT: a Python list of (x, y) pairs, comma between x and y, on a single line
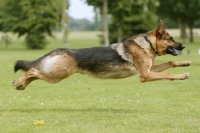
[(154, 50)]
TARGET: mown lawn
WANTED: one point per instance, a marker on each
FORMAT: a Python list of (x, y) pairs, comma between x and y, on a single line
[(81, 104)]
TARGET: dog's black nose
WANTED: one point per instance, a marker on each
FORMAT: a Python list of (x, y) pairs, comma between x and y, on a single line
[(183, 46), (180, 47)]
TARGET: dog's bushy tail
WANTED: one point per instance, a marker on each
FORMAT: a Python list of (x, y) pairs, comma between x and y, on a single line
[(23, 65)]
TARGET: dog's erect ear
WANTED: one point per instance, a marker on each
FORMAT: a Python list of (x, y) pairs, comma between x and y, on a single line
[(161, 27)]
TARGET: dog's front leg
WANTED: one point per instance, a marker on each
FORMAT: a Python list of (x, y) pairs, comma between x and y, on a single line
[(151, 76), (170, 64), (146, 74)]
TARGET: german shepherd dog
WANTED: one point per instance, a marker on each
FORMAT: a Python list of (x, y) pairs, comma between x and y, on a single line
[(135, 55)]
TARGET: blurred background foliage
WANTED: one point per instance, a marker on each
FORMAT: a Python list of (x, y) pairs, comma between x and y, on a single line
[(118, 20)]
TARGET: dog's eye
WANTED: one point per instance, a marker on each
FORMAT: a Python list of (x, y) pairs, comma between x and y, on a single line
[(165, 38), (171, 39)]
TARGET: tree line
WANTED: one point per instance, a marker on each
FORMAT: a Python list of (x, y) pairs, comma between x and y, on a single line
[(34, 19), (117, 19)]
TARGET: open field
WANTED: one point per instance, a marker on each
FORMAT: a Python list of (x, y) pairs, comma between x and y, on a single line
[(81, 104)]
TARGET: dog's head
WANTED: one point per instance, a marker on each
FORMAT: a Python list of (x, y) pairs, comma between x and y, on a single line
[(165, 43)]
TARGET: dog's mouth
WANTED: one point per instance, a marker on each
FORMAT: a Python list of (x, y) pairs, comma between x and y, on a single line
[(173, 49)]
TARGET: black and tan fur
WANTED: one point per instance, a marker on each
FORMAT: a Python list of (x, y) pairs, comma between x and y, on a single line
[(134, 56)]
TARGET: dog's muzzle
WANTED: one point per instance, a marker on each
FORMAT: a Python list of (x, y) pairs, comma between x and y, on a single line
[(173, 49)]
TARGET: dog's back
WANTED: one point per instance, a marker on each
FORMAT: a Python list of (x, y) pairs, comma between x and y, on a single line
[(101, 62), (97, 59)]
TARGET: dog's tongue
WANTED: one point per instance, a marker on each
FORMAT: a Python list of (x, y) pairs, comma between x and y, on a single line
[(174, 51)]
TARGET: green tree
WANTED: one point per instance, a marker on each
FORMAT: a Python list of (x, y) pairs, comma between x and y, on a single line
[(32, 18), (97, 18), (130, 17), (103, 6), (184, 12), (62, 18)]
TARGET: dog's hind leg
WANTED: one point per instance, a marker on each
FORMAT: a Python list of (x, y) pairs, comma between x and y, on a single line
[(170, 64), (31, 75), (25, 83)]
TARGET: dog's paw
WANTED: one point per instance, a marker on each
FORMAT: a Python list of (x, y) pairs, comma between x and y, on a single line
[(185, 63), (186, 75), (17, 85), (180, 63), (14, 83)]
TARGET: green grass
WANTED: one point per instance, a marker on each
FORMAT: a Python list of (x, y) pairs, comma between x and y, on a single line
[(81, 104)]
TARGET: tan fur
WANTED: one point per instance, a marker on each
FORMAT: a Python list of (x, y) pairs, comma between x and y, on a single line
[(62, 68), (144, 59), (136, 51)]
